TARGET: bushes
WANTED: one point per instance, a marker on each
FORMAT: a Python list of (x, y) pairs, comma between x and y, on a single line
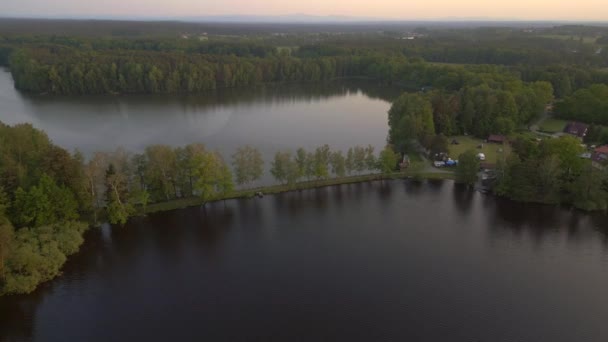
[(37, 255)]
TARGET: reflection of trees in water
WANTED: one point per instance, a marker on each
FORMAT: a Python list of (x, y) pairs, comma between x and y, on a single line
[(463, 197), (295, 202), (538, 221), (385, 190), (435, 185), (414, 187), (18, 314), (218, 99)]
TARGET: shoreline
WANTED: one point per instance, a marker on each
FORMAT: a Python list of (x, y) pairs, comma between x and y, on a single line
[(182, 203)]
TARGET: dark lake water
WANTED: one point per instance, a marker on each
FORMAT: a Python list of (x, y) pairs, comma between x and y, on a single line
[(393, 261)]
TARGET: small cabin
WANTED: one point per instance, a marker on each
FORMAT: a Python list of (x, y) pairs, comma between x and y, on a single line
[(577, 129), (497, 139)]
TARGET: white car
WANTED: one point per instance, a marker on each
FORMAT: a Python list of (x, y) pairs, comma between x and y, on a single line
[(481, 156), (439, 164)]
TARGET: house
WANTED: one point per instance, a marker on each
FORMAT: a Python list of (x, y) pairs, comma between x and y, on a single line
[(600, 156), (497, 139), (602, 149), (577, 129)]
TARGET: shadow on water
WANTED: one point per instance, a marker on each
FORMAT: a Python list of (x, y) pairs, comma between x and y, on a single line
[(463, 197), (384, 189), (540, 221)]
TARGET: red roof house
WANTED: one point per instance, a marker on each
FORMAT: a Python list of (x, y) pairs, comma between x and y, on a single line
[(498, 139), (602, 150)]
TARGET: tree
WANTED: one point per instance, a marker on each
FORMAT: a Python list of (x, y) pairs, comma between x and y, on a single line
[(213, 176), (410, 119), (338, 164), (248, 165), (6, 232), (359, 154), (225, 184), (387, 161), (301, 161), (439, 144), (280, 166), (321, 162), (310, 166), (370, 158), (548, 181), (94, 172), (44, 204), (588, 190), (349, 163), (568, 150), (468, 167), (292, 172), (118, 207), (162, 170)]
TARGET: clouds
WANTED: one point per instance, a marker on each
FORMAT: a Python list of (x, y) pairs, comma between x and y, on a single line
[(394, 9)]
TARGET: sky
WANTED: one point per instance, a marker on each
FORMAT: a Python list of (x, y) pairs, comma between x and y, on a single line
[(587, 10)]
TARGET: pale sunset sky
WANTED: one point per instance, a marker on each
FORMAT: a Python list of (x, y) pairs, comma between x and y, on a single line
[(596, 10)]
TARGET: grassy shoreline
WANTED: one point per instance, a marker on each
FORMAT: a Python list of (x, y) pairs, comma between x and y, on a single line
[(182, 203)]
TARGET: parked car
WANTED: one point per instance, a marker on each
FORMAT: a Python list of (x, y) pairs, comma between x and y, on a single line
[(481, 156), (439, 164), (451, 162)]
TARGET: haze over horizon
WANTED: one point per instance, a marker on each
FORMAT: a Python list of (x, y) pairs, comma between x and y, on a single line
[(584, 10)]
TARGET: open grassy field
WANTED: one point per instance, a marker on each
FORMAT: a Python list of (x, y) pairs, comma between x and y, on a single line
[(552, 125), (492, 151), (586, 39)]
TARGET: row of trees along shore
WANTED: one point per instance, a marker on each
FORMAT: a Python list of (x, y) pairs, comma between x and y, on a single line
[(48, 196)]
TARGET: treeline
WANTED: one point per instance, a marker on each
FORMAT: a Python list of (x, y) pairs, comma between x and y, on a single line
[(70, 71), (589, 105), (552, 172), (121, 184), (72, 66), (47, 195), (495, 106)]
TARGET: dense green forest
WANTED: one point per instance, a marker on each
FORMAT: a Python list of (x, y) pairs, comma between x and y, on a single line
[(570, 58), (42, 202), (588, 105), (552, 172)]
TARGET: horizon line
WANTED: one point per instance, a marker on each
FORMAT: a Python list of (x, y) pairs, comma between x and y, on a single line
[(279, 19)]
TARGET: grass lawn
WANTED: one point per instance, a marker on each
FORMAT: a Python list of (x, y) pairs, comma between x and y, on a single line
[(552, 125), (586, 39), (467, 143)]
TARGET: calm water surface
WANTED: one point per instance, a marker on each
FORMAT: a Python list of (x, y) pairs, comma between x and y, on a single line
[(397, 261), (341, 114)]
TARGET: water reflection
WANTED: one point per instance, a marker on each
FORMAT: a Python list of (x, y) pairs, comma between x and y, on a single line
[(463, 197), (426, 259), (271, 117)]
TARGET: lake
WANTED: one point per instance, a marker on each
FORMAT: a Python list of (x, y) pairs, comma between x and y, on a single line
[(341, 114), (394, 261)]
